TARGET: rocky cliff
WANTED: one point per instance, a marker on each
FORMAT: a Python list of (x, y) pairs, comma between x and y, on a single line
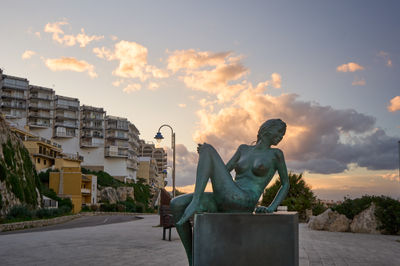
[(19, 183)]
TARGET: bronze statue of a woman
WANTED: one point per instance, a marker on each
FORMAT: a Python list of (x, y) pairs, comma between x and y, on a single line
[(255, 166)]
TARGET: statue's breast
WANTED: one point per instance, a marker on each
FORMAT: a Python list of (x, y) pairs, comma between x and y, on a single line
[(261, 166)]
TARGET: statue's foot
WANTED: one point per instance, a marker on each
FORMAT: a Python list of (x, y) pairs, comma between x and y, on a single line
[(189, 211)]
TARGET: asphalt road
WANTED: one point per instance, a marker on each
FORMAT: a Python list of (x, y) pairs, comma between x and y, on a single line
[(84, 221)]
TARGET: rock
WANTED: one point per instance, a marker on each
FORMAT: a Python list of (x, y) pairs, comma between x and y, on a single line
[(338, 223), (124, 193), (329, 221), (365, 221), (18, 180), (109, 194), (319, 222)]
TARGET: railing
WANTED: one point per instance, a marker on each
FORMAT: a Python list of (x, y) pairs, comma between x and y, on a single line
[(113, 153), (85, 191), (41, 115), (65, 135), (13, 95), (38, 124), (47, 141), (13, 105), (65, 106), (71, 156), (41, 97), (42, 106)]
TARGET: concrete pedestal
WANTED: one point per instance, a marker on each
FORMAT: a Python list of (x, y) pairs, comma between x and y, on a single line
[(246, 239)]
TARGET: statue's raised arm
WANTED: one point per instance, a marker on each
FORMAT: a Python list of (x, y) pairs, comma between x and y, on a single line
[(255, 166)]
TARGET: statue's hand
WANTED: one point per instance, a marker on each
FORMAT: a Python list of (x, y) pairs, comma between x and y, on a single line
[(199, 147), (262, 209)]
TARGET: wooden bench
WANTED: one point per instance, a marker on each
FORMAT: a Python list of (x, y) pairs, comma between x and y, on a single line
[(166, 220)]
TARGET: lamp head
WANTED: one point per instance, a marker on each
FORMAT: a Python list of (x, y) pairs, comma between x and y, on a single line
[(159, 137)]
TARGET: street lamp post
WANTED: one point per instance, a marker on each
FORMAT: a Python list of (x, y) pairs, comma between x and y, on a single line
[(160, 137)]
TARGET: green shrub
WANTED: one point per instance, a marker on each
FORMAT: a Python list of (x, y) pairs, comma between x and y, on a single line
[(318, 208), (85, 209), (1, 201), (107, 207), (20, 212), (387, 211), (66, 204), (104, 179)]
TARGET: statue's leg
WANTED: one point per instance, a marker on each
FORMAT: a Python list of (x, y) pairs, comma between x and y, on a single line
[(210, 166), (178, 206)]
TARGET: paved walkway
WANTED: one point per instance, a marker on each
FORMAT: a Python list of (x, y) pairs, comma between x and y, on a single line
[(138, 243)]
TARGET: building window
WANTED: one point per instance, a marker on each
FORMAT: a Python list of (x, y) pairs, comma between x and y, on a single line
[(40, 149), (38, 160), (44, 162)]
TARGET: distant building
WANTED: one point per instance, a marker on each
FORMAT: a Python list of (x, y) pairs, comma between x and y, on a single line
[(69, 182), (41, 111), (66, 126), (92, 136), (14, 96), (148, 172), (159, 154)]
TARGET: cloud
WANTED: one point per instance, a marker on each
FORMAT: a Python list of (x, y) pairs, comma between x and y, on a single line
[(37, 34), (67, 39), (391, 176), (28, 54), (319, 139), (132, 88), (186, 165), (132, 59), (153, 86), (349, 67), (182, 105), (394, 104), (358, 82), (276, 80), (192, 59), (71, 64), (113, 37), (386, 57), (215, 73), (117, 83)]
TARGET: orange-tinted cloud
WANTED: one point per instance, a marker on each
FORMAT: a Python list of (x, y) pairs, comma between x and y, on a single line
[(349, 67), (132, 88), (153, 86), (394, 104), (215, 73), (182, 105), (276, 80), (192, 59), (313, 139), (386, 57), (132, 59), (67, 39), (358, 82), (28, 54), (70, 64)]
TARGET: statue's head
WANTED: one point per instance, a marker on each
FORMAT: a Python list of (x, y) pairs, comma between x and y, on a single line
[(274, 129)]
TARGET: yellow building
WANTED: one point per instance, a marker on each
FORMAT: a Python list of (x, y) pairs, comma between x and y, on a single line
[(71, 183), (148, 171)]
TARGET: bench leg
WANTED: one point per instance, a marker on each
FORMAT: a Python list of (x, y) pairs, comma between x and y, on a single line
[(163, 236)]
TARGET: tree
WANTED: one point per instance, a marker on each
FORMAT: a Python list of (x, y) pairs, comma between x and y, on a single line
[(300, 196)]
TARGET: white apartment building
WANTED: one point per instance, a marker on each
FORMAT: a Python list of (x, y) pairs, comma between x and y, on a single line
[(133, 151), (66, 125), (92, 132), (41, 111), (14, 94)]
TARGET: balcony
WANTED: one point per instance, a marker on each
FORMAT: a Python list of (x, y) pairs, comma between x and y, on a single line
[(67, 107), (132, 165), (13, 105), (116, 126), (71, 156), (92, 126), (113, 151), (13, 96), (85, 191), (40, 106), (66, 116), (38, 124), (40, 115), (69, 125), (40, 97), (91, 143), (64, 135)]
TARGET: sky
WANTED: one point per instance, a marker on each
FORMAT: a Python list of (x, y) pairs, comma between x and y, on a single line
[(216, 70)]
